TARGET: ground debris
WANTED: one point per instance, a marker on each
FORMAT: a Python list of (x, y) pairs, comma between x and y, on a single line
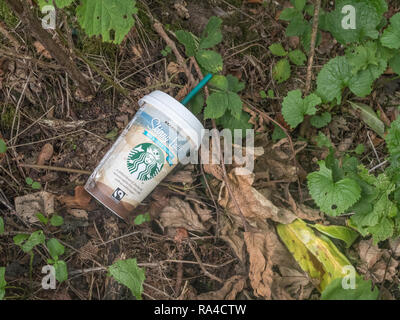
[(29, 205)]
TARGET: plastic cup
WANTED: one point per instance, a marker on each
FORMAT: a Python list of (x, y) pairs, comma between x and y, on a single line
[(149, 148)]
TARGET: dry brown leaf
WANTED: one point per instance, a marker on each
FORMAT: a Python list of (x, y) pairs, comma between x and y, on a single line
[(78, 213), (180, 235), (160, 199), (260, 273), (29, 205), (181, 176), (230, 233), (81, 200), (252, 203), (231, 288), (377, 264), (41, 50), (88, 251), (45, 154), (173, 68), (202, 211), (179, 214)]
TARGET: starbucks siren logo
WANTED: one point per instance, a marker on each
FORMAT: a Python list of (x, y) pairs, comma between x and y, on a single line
[(145, 161)]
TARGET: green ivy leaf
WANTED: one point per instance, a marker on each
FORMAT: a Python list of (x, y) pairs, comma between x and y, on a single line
[(3, 283), (56, 220), (100, 17), (363, 291), (277, 50), (212, 33), (61, 270), (3, 146), (333, 198), (294, 107), (391, 36), (333, 78), (55, 248), (211, 61), (129, 274), (297, 57), (187, 39), (281, 71), (320, 121)]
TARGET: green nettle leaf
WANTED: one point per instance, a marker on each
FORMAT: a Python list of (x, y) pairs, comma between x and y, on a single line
[(281, 71), (278, 50), (34, 239), (297, 57), (211, 61), (61, 270), (345, 234), (394, 63), (294, 107), (56, 220), (368, 18), (288, 14), (333, 198), (333, 78), (3, 283), (360, 149), (197, 103), (187, 39), (102, 17), (298, 26), (362, 291), (142, 218), (1, 225), (59, 3), (382, 230), (217, 104), (212, 33), (323, 141), (391, 36), (129, 274), (228, 121), (235, 104), (234, 84), (299, 4), (393, 140), (3, 146), (55, 248), (219, 82), (320, 121)]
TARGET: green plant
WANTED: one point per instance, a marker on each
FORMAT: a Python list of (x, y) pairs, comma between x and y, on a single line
[(281, 71), (129, 274), (298, 24), (1, 225), (3, 146), (33, 184), (55, 219), (362, 291), (142, 218), (3, 283), (224, 103), (110, 19), (56, 249)]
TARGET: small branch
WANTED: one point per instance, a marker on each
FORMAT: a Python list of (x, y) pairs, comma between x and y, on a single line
[(208, 274), (35, 166), (181, 61), (312, 46)]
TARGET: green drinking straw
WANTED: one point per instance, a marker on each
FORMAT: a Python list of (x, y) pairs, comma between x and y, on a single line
[(197, 89)]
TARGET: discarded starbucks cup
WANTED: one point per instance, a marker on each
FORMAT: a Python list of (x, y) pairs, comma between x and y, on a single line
[(162, 132)]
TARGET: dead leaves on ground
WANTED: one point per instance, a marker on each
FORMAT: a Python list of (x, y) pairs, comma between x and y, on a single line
[(80, 200)]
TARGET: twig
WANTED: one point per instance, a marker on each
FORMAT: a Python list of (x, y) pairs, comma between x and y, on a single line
[(312, 46), (181, 61), (9, 36), (208, 274), (35, 166)]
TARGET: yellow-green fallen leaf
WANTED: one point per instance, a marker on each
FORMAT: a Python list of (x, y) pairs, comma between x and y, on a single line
[(317, 256), (338, 232)]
